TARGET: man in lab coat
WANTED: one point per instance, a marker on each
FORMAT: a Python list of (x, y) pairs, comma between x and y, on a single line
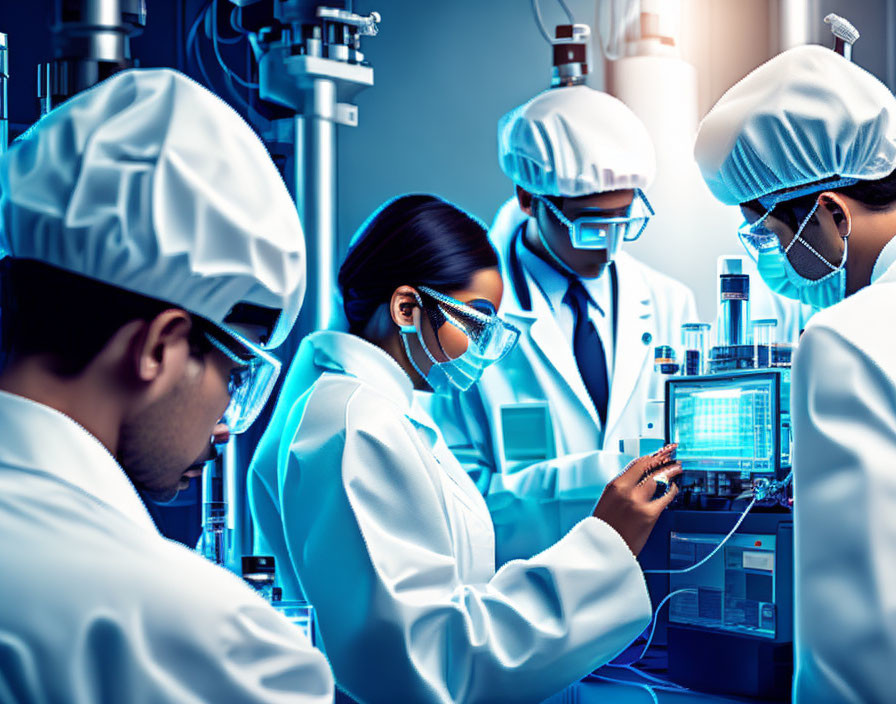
[(540, 434), (806, 145), (152, 253)]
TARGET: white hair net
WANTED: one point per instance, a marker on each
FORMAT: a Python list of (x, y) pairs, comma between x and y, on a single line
[(574, 142), (151, 183), (804, 116)]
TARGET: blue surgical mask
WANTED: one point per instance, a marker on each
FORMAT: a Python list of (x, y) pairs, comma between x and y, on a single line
[(489, 339), (779, 273)]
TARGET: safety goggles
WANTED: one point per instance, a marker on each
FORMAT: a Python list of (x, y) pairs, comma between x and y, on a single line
[(250, 383), (592, 229), (490, 337)]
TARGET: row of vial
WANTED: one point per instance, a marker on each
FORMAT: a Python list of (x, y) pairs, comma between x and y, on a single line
[(740, 344)]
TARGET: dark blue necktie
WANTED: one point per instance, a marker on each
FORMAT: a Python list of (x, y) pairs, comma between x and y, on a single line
[(588, 349)]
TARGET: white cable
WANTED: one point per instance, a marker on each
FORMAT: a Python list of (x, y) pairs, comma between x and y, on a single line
[(656, 614), (569, 15), (640, 685), (717, 548), (648, 676), (540, 22)]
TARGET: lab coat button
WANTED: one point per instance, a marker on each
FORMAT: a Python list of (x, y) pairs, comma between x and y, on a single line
[(646, 338)]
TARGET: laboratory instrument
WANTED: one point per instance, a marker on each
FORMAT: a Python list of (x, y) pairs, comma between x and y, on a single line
[(694, 340)]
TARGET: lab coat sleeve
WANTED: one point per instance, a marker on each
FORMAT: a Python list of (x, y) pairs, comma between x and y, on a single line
[(844, 419), (532, 505), (377, 560)]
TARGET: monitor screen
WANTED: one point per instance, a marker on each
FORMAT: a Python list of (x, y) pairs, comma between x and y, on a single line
[(725, 424)]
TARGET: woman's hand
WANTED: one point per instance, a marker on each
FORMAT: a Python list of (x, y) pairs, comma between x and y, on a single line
[(627, 502)]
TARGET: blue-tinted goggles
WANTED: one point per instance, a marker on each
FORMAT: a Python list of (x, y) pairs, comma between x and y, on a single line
[(490, 337), (250, 383), (593, 229)]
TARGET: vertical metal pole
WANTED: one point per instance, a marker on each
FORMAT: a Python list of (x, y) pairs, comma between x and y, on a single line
[(4, 77), (318, 200), (236, 495)]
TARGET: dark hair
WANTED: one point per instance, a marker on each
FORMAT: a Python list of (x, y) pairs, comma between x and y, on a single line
[(413, 240), (879, 194), (45, 310)]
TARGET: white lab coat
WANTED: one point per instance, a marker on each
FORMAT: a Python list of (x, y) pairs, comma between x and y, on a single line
[(357, 492), (534, 502), (96, 606), (844, 422)]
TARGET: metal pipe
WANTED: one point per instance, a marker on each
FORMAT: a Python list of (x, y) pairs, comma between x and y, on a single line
[(317, 200), (4, 77)]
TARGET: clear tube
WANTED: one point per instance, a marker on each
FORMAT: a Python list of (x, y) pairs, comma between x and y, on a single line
[(695, 342), (764, 339)]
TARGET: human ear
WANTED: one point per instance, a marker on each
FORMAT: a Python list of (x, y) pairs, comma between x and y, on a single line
[(524, 199), (402, 304), (163, 342), (839, 211)]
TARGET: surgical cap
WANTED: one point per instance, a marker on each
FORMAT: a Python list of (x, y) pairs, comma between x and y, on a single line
[(804, 116), (151, 183), (574, 142)]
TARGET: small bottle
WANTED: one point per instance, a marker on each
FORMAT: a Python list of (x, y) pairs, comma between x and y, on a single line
[(259, 573), (664, 360)]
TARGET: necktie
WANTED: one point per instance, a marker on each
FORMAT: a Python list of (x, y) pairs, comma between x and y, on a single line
[(588, 349)]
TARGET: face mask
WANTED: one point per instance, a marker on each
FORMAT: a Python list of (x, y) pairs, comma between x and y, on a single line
[(489, 339), (779, 273)]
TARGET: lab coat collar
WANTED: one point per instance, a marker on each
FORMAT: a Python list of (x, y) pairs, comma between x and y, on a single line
[(885, 260), (349, 354), (40, 439)]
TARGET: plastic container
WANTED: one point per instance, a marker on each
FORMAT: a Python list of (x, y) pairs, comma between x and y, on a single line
[(664, 360), (695, 341), (764, 336), (299, 612)]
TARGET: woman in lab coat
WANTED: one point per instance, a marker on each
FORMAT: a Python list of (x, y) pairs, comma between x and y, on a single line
[(372, 518)]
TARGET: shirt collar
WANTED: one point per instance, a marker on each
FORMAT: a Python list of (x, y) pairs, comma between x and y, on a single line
[(555, 284), (35, 437), (885, 260), (355, 356)]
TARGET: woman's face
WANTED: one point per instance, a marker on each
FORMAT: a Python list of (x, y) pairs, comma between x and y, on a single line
[(486, 285)]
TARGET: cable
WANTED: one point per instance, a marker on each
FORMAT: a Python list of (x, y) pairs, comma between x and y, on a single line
[(191, 41), (715, 550), (640, 685), (656, 614), (569, 15), (540, 22), (225, 67), (648, 676)]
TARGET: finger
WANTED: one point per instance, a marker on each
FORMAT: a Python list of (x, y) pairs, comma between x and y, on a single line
[(668, 449), (667, 471), (662, 503), (648, 487)]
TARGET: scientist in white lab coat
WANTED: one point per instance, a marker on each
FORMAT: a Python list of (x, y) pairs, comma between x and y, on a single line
[(806, 145), (540, 432), (151, 246), (372, 518)]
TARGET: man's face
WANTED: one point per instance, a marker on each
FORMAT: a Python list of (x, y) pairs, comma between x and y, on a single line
[(585, 262), (165, 445)]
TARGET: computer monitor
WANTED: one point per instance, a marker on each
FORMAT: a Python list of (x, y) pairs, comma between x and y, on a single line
[(730, 429)]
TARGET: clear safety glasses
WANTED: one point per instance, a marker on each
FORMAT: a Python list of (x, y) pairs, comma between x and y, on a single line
[(490, 337), (250, 383), (592, 229)]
